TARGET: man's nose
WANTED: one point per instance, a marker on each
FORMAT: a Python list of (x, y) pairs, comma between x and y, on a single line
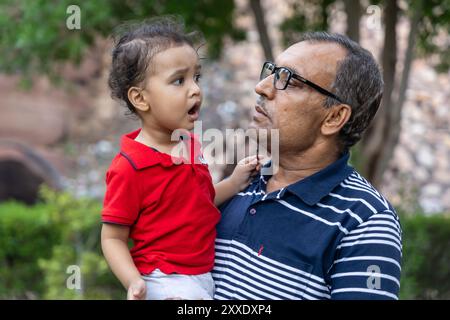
[(265, 87)]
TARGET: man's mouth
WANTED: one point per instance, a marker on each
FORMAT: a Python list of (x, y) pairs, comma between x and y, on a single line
[(260, 110)]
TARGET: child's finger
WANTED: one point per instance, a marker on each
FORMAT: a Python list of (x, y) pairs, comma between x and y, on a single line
[(263, 160), (138, 291), (251, 164), (248, 160)]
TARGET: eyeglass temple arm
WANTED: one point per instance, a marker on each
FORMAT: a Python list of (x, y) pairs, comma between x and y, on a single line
[(317, 87)]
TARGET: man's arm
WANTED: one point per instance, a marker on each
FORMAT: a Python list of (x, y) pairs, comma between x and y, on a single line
[(368, 263)]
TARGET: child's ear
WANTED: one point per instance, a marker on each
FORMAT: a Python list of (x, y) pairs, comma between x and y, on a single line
[(336, 118), (136, 97)]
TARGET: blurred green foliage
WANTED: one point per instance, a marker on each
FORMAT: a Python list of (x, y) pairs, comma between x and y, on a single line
[(434, 29), (315, 18), (39, 243), (26, 236), (357, 158), (34, 36), (426, 256)]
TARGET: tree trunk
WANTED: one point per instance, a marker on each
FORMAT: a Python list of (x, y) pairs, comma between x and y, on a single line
[(374, 142), (394, 129), (262, 28), (353, 10)]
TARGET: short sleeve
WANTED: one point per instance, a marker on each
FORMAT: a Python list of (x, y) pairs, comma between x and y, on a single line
[(121, 204), (368, 263)]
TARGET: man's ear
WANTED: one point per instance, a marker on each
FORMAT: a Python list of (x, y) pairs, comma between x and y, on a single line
[(336, 118), (137, 98)]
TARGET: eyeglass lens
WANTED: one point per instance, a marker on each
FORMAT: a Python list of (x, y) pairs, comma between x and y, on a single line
[(282, 75)]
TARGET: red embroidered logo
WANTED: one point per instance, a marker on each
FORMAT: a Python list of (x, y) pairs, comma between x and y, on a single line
[(260, 250)]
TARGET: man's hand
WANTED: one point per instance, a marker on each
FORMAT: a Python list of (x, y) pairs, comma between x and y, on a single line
[(137, 290)]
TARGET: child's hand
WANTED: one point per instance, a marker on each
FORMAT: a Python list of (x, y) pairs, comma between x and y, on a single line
[(245, 170), (137, 290)]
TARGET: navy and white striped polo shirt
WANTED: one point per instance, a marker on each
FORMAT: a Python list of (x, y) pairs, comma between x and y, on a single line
[(328, 236)]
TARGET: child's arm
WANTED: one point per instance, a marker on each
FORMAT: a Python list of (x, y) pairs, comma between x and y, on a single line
[(115, 249), (239, 180)]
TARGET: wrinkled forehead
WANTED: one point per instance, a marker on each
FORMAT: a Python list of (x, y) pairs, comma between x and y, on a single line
[(310, 59)]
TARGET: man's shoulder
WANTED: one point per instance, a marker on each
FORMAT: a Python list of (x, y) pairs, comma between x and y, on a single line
[(361, 197)]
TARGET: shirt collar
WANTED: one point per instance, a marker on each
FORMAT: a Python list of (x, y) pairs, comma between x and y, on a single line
[(313, 188), (141, 156)]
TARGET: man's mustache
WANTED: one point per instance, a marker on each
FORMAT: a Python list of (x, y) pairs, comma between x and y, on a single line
[(261, 102)]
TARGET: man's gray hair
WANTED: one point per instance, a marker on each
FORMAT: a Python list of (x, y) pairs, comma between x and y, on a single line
[(358, 82)]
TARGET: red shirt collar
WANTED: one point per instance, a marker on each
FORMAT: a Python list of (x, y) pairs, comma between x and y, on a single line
[(141, 156)]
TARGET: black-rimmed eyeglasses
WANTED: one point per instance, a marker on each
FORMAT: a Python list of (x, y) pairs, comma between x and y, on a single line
[(283, 75)]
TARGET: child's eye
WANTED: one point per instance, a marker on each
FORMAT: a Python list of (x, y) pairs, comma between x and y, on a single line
[(179, 81), (197, 77)]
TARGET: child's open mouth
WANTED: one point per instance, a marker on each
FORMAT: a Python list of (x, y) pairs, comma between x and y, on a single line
[(194, 111)]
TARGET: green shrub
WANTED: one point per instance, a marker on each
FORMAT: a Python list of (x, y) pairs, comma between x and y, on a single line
[(26, 235), (426, 257), (38, 244)]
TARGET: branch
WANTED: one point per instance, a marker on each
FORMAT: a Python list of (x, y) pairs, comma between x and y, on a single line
[(262, 28)]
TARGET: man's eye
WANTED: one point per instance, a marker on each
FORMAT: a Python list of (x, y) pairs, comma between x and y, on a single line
[(197, 77), (179, 81), (295, 84), (292, 85)]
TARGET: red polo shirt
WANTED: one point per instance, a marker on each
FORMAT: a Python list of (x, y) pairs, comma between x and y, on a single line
[(169, 207)]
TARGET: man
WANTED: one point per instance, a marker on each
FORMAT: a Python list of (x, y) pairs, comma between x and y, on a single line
[(316, 229)]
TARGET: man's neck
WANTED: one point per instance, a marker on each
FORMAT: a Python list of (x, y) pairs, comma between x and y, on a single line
[(294, 167)]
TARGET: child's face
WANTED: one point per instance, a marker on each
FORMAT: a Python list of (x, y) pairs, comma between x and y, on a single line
[(172, 90)]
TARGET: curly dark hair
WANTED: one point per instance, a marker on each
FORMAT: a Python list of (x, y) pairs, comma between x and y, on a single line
[(135, 44), (358, 82)]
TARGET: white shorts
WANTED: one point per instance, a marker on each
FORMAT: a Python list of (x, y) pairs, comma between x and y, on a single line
[(161, 286)]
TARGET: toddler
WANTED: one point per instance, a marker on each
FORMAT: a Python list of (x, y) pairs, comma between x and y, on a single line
[(165, 204)]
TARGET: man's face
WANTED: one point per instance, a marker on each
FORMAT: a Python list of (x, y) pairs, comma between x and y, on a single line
[(298, 111)]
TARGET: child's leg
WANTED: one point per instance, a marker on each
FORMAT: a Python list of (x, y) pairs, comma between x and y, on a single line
[(161, 286)]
